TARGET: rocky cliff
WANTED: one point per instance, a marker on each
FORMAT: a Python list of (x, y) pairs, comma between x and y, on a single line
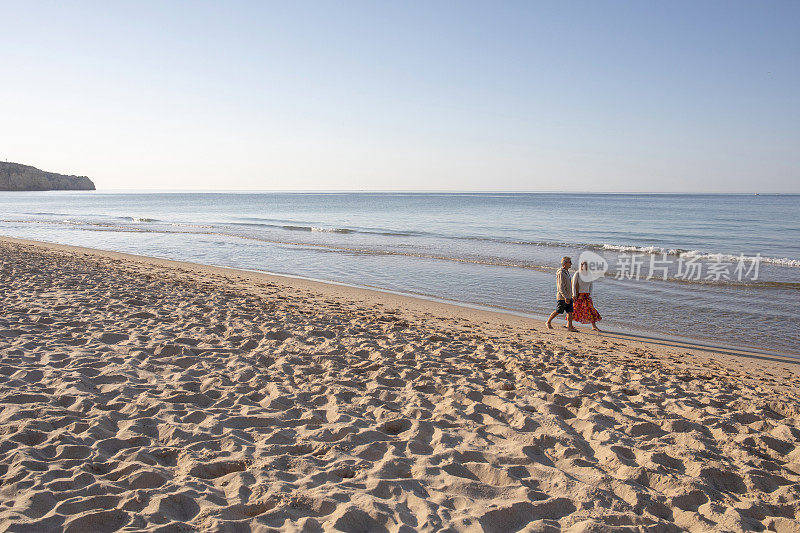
[(16, 177)]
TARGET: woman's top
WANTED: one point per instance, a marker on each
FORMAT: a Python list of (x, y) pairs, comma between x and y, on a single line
[(579, 286)]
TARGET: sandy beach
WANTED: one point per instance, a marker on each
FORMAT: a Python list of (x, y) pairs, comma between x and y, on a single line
[(144, 394)]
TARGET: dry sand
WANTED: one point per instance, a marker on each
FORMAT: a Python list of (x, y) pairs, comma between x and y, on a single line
[(142, 394)]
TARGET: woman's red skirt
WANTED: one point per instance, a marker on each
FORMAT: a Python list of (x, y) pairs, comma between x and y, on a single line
[(584, 311)]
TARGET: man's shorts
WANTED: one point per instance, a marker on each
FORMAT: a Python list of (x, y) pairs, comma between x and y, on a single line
[(562, 306)]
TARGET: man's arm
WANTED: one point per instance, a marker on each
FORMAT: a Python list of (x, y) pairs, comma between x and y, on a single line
[(568, 286), (564, 287)]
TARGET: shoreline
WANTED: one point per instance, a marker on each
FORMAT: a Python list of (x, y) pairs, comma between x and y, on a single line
[(153, 395), (622, 332)]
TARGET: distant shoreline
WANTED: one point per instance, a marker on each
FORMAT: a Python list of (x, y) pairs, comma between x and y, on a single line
[(16, 177)]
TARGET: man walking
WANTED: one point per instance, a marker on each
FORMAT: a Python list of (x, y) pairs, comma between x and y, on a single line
[(563, 294)]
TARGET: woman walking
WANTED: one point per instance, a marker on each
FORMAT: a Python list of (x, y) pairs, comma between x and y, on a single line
[(583, 308)]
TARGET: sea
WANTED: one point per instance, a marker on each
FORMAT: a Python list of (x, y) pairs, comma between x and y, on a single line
[(724, 269)]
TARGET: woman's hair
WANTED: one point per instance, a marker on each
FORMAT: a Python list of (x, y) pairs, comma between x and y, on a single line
[(584, 264)]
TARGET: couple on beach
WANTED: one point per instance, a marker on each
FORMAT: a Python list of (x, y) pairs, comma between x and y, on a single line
[(574, 296)]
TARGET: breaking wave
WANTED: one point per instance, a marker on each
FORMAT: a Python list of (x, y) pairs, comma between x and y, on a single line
[(143, 224)]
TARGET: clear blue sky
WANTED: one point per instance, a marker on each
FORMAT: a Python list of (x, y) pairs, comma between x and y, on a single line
[(586, 96)]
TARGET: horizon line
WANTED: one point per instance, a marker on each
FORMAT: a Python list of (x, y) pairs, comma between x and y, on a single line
[(427, 191)]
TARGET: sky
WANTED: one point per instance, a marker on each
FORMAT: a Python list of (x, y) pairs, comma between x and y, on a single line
[(678, 96)]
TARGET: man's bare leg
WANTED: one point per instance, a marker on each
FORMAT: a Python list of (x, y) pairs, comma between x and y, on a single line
[(549, 320)]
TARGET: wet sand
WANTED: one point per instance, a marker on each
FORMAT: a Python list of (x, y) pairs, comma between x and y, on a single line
[(145, 394)]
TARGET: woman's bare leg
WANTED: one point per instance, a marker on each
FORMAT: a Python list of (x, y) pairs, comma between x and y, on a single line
[(569, 325)]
